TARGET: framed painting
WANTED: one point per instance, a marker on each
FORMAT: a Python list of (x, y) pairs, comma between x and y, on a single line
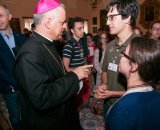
[(15, 24), (149, 12), (94, 30), (103, 25), (94, 20)]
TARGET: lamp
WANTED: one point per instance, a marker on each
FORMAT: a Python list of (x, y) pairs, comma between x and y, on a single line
[(94, 3)]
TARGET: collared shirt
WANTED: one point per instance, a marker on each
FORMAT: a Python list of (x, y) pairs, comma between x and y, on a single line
[(116, 81), (139, 89), (9, 39)]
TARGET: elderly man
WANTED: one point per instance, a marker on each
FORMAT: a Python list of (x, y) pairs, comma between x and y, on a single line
[(47, 93)]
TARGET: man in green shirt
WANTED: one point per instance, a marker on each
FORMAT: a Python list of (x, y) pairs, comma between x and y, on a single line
[(121, 17)]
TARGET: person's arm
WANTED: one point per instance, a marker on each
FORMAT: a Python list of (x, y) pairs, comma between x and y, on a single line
[(67, 55), (108, 94), (104, 69), (66, 62), (43, 89), (103, 93), (104, 77), (96, 61)]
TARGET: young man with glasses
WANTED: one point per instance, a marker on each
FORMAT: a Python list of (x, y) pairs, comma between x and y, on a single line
[(121, 17), (155, 30)]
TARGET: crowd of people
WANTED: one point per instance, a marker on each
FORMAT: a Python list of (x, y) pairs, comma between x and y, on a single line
[(46, 73)]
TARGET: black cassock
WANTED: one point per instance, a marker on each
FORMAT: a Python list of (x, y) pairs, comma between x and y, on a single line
[(47, 94)]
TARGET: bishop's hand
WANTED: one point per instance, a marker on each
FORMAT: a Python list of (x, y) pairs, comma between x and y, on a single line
[(83, 71)]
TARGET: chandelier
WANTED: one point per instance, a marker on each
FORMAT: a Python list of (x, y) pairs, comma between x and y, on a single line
[(94, 3)]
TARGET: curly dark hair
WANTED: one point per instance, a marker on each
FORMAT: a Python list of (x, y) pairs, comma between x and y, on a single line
[(126, 8)]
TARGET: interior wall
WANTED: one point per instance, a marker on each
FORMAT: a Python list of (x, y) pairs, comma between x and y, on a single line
[(20, 9), (82, 8), (79, 8), (102, 5)]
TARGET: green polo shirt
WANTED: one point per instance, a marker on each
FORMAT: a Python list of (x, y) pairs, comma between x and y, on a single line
[(115, 80)]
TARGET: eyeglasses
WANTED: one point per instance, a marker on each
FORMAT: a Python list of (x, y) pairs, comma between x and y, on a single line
[(110, 17), (156, 29), (128, 57)]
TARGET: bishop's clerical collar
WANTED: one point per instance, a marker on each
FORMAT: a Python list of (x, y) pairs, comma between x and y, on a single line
[(44, 36)]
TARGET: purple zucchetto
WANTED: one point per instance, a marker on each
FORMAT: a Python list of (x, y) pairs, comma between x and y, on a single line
[(46, 5)]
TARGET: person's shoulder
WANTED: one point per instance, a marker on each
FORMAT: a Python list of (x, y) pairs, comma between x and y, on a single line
[(30, 44), (133, 36), (123, 102), (18, 34), (69, 44), (141, 97), (111, 43), (32, 47), (155, 93), (127, 100)]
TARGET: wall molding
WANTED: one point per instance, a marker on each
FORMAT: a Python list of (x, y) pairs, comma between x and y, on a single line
[(8, 1)]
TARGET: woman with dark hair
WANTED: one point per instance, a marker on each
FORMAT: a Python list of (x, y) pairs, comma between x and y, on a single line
[(99, 55), (139, 107), (98, 60)]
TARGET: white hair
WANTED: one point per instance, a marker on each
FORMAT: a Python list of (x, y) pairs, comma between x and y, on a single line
[(52, 14)]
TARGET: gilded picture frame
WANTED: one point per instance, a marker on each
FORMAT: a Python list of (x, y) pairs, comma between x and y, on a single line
[(103, 24), (149, 12), (94, 20), (94, 30)]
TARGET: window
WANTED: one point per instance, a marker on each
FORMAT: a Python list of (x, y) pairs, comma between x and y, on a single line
[(86, 26), (27, 22)]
